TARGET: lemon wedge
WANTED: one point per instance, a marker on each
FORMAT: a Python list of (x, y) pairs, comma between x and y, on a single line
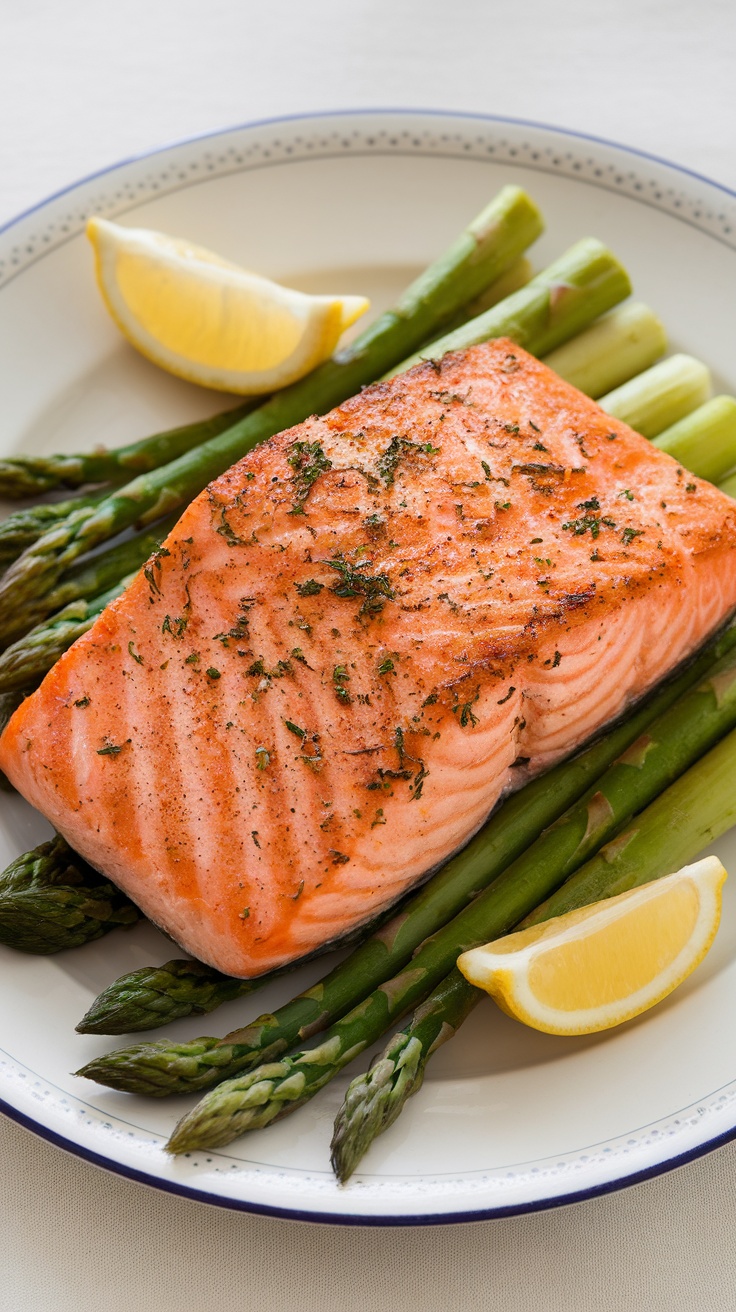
[(599, 965), (210, 321)]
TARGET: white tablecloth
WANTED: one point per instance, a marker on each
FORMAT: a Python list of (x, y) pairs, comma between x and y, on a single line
[(84, 84)]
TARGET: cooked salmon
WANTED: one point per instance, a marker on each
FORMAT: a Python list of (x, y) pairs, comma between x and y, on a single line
[(357, 640)]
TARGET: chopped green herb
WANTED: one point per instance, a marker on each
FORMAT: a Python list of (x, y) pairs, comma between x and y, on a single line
[(589, 523), (309, 588), (690, 487), (83, 701), (448, 397), (192, 658), (232, 538), (354, 582), (626, 493), (430, 701), (245, 913), (509, 694), (629, 534), (338, 858), (263, 757), (308, 461), (240, 627), (418, 784), (466, 712), (399, 446), (176, 626), (131, 652), (386, 666), (502, 505), (294, 728), (212, 673), (340, 677), (112, 749)]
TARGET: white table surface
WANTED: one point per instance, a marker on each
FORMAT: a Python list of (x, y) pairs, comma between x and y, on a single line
[(84, 84)]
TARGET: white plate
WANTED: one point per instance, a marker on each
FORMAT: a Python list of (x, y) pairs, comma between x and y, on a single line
[(508, 1120)]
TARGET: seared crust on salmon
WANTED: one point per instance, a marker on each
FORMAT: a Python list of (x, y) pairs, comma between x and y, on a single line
[(357, 639)]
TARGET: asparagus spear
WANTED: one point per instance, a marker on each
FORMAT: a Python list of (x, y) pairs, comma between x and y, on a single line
[(376, 1097), (672, 742), (28, 476), (660, 397), (693, 812), (705, 440), (138, 1000), (619, 346), (556, 305), (25, 662), (50, 899), (161, 1068), (517, 275), (26, 526), (538, 316), (87, 582)]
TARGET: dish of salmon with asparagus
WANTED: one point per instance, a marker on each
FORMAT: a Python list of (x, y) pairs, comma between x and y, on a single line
[(433, 644)]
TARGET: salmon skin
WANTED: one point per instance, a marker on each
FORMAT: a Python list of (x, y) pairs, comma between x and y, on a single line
[(357, 640)]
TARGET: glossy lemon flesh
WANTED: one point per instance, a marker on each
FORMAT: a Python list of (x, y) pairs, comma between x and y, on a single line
[(208, 320)]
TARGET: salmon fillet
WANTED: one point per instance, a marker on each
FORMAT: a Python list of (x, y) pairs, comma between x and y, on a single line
[(357, 640)]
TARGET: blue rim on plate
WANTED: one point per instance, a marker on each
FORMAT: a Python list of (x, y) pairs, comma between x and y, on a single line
[(720, 226)]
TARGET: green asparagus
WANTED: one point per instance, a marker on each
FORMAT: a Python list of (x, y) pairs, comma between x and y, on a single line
[(100, 574), (517, 275), (50, 899), (139, 1000), (160, 1068), (705, 440), (693, 812), (660, 397), (728, 485), (25, 662), (617, 347), (537, 317), (376, 1097), (672, 742), (26, 526), (29, 476)]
